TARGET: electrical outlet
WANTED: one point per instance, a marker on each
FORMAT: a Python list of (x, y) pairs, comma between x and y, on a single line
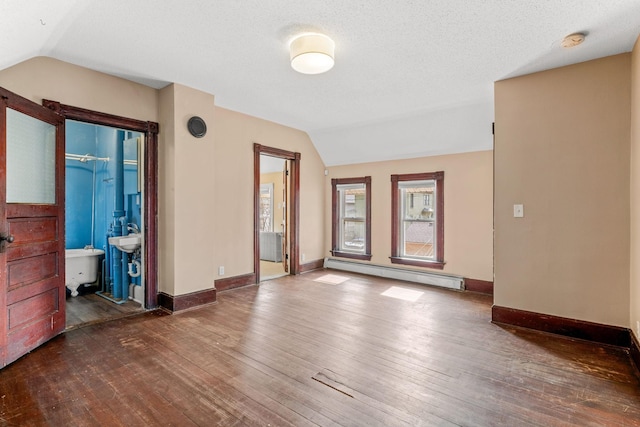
[(221, 271), (518, 211), (303, 257)]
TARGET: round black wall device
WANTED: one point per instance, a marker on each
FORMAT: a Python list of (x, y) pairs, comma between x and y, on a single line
[(197, 127)]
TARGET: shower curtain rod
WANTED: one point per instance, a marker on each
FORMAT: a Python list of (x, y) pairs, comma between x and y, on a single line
[(84, 158), (88, 157)]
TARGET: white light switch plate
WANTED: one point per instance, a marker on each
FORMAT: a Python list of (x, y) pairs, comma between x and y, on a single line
[(518, 211)]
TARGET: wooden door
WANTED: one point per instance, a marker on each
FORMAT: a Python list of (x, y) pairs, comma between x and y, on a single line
[(32, 289), (285, 219)]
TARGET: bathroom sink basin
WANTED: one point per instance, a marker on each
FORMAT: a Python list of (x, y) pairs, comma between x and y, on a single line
[(126, 244)]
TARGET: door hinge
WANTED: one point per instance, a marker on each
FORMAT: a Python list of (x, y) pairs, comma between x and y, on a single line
[(493, 128), (286, 256)]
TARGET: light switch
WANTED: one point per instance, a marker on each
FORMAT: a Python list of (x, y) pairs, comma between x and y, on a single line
[(518, 211)]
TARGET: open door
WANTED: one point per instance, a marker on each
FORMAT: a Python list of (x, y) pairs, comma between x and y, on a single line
[(32, 288), (285, 219)]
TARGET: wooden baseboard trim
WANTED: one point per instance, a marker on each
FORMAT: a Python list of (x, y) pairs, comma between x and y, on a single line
[(175, 303), (580, 329), (235, 282), (634, 352), (313, 265), (480, 286)]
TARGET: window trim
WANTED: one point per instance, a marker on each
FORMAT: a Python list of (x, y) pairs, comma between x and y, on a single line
[(335, 218), (396, 223)]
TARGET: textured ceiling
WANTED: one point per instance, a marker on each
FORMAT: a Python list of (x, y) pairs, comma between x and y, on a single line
[(412, 78)]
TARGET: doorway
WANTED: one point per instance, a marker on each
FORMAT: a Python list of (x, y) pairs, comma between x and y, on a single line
[(104, 227), (148, 163), (276, 219)]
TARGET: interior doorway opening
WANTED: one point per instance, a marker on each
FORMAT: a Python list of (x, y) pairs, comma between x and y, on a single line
[(144, 197), (104, 223), (276, 219)]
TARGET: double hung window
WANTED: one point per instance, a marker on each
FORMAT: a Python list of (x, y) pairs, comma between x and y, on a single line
[(418, 219), (351, 217)]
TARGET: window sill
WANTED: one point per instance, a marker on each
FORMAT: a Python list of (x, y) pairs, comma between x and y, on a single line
[(365, 257), (438, 265)]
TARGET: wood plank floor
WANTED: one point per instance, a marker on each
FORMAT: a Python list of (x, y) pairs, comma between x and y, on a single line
[(89, 308), (296, 351)]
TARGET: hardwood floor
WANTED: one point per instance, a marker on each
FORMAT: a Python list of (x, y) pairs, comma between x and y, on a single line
[(295, 351), (88, 308)]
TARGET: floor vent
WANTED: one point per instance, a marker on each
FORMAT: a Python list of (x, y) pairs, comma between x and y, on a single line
[(425, 278)]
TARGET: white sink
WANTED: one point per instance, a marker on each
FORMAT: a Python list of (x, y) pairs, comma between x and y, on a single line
[(126, 244)]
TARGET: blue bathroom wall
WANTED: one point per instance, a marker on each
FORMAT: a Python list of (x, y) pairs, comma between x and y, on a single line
[(105, 183), (80, 139), (99, 141), (131, 193)]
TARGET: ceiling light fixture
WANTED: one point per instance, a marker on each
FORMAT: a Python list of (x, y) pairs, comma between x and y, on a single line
[(312, 53), (572, 40)]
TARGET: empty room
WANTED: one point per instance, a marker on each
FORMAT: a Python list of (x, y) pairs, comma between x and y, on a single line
[(320, 213)]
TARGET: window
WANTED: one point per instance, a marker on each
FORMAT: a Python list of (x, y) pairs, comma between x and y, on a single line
[(351, 217), (266, 207), (417, 219)]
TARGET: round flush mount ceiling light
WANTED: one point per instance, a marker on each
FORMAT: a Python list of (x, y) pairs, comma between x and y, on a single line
[(572, 40), (312, 53)]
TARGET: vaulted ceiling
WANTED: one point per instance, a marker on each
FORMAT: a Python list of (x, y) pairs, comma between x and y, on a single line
[(412, 78)]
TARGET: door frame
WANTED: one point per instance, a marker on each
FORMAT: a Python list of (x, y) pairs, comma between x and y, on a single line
[(294, 206), (150, 165)]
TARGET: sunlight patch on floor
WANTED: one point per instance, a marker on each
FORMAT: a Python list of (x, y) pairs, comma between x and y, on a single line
[(402, 293), (331, 279)]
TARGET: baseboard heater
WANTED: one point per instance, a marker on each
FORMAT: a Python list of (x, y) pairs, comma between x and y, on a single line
[(425, 278)]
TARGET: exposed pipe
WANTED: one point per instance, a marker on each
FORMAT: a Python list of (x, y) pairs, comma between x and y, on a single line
[(124, 283), (138, 268), (120, 267), (119, 219), (107, 259)]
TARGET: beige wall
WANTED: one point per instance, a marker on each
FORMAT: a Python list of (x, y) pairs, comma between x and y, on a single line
[(166, 178), (187, 206), (468, 199), (233, 183), (46, 78), (205, 185), (635, 190), (562, 150)]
